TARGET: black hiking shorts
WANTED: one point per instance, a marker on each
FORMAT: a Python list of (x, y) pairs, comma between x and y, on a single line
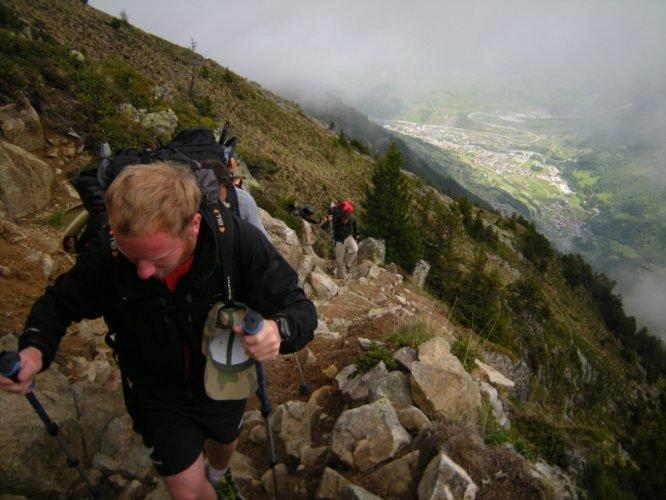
[(174, 432)]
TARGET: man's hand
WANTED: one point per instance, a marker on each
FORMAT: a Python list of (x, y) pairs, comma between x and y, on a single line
[(30, 365), (263, 345)]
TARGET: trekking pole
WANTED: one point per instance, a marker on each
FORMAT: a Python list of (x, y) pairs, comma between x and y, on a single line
[(304, 388), (104, 147), (252, 323), (10, 365), (223, 134)]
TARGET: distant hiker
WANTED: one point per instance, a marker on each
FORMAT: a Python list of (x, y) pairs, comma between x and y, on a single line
[(240, 201), (309, 215), (306, 213), (345, 235), (159, 278)]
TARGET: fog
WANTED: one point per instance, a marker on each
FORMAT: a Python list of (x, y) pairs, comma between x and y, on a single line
[(351, 45), (370, 50)]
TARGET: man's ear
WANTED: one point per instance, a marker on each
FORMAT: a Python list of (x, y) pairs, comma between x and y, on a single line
[(195, 226)]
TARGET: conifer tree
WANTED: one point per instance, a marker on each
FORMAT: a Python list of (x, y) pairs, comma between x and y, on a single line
[(440, 227), (389, 211)]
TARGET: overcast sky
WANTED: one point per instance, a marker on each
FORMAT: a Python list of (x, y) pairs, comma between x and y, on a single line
[(275, 41)]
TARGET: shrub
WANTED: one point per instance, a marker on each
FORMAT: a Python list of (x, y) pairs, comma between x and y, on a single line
[(489, 429), (373, 356), (259, 165), (410, 334), (548, 440), (359, 146), (128, 84), (465, 349), (122, 132), (204, 106), (406, 335)]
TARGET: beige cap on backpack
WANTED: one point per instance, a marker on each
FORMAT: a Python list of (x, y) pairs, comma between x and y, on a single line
[(230, 373)]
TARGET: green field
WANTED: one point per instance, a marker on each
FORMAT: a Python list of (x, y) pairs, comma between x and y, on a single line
[(618, 181)]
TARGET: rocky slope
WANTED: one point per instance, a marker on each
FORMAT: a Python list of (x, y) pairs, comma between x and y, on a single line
[(336, 431)]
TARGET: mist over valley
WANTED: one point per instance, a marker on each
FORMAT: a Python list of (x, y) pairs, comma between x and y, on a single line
[(592, 182)]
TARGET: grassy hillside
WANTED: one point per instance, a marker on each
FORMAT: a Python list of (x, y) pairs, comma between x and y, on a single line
[(289, 150)]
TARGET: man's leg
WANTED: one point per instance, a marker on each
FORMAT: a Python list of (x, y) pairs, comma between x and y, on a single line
[(340, 259), (351, 249), (190, 483), (219, 454), (219, 470)]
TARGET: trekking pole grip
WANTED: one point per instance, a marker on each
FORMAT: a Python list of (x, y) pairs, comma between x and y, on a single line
[(10, 364)]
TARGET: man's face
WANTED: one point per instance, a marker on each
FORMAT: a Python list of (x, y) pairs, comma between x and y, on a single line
[(156, 254)]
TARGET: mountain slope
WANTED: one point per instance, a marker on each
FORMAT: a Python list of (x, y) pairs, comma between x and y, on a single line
[(353, 123), (268, 127)]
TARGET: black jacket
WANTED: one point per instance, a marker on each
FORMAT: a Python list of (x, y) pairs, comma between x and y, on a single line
[(341, 229), (158, 333)]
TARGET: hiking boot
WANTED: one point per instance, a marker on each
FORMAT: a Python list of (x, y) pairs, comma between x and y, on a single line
[(226, 488)]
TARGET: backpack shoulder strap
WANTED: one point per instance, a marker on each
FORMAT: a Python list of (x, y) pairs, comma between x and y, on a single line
[(223, 224), (232, 200)]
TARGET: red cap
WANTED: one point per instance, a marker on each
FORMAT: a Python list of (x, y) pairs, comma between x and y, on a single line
[(346, 206)]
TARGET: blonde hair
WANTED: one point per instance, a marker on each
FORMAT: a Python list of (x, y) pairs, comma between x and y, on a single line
[(158, 197)]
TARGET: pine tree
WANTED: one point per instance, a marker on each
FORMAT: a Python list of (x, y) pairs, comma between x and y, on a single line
[(389, 211), (440, 227)]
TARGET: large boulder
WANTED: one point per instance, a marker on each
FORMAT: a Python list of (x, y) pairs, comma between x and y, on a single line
[(20, 125), (420, 273), (373, 250), (440, 385), (366, 436), (25, 181)]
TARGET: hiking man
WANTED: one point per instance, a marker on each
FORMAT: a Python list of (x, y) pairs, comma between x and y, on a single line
[(345, 236), (246, 207), (154, 277)]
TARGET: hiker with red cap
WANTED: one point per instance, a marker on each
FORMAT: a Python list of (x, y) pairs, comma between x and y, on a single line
[(345, 236)]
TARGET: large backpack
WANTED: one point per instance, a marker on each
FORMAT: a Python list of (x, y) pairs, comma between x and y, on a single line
[(188, 147), (199, 144)]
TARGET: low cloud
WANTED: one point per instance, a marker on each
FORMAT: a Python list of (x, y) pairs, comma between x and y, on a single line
[(417, 43)]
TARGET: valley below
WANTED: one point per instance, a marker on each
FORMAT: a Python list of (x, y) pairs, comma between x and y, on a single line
[(498, 164), (528, 163)]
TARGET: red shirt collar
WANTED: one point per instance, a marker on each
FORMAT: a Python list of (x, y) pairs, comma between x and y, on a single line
[(171, 279)]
